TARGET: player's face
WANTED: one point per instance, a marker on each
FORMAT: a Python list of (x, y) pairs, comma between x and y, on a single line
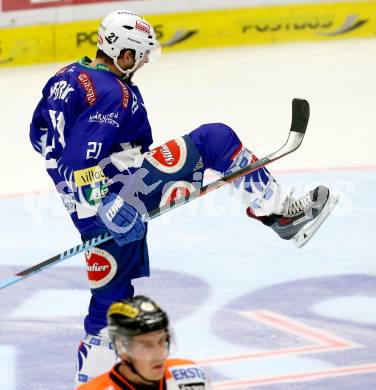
[(148, 353), (130, 61)]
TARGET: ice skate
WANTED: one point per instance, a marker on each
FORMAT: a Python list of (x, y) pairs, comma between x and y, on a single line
[(301, 217)]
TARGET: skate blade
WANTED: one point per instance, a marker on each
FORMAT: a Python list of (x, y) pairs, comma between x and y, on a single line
[(309, 230)]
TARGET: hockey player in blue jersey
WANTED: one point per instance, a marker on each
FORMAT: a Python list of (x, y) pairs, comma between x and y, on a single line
[(92, 128)]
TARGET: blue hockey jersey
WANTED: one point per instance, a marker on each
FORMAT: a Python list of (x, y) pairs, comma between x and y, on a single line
[(87, 115)]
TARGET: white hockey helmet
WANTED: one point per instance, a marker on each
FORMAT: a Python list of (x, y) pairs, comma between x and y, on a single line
[(123, 29)]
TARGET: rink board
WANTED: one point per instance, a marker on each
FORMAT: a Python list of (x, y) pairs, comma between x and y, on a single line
[(201, 29)]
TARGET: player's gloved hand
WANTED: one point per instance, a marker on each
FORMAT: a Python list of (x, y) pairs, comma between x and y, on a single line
[(121, 219)]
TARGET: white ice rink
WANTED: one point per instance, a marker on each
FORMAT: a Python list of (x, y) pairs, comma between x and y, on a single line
[(252, 308)]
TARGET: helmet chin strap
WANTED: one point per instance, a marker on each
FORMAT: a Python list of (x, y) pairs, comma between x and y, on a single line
[(130, 365), (125, 72)]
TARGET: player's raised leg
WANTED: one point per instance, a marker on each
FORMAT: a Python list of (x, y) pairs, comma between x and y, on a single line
[(264, 198)]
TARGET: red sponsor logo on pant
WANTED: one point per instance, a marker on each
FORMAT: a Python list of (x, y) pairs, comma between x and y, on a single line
[(170, 157), (101, 267), (179, 190)]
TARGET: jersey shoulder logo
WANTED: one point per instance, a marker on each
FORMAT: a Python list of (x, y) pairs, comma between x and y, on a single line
[(88, 86), (124, 93)]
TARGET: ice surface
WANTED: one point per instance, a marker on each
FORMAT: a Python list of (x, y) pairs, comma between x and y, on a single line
[(216, 263)]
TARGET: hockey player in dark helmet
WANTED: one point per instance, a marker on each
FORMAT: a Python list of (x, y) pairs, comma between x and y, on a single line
[(138, 329), (140, 334)]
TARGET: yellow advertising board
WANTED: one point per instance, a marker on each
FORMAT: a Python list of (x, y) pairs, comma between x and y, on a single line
[(191, 30)]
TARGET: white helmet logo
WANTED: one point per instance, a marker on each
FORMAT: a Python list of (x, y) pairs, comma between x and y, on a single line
[(147, 307)]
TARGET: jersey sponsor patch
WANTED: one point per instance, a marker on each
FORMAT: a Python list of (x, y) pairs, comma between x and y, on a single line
[(84, 177), (188, 374), (101, 267), (69, 202), (87, 85), (170, 157), (125, 94), (109, 119), (192, 386), (96, 193)]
